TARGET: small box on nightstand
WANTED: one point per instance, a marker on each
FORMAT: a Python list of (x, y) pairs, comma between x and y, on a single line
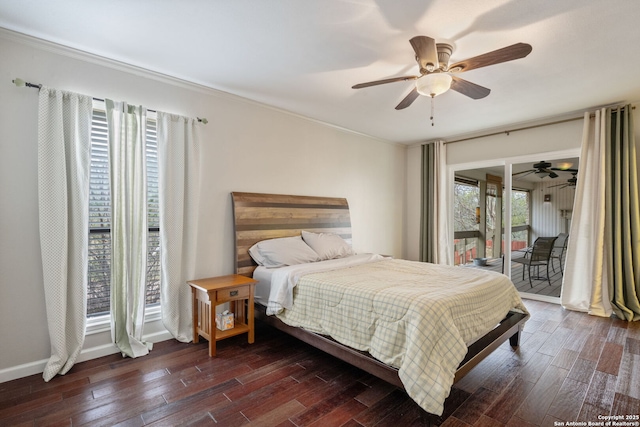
[(224, 321)]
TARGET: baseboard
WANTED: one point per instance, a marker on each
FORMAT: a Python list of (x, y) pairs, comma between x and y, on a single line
[(543, 298), (22, 371), (37, 367)]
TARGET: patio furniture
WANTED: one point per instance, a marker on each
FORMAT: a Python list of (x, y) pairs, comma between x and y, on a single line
[(526, 251), (558, 250), (540, 255)]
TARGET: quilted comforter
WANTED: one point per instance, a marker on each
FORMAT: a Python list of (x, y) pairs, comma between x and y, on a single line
[(414, 316)]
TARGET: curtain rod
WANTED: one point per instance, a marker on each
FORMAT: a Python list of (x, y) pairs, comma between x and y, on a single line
[(21, 83), (507, 132)]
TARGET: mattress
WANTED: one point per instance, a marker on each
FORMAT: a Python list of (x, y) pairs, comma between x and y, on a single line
[(263, 287)]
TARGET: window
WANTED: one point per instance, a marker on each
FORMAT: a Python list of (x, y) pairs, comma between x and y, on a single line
[(99, 273)]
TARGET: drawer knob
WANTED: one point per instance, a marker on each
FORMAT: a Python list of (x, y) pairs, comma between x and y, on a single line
[(233, 293)]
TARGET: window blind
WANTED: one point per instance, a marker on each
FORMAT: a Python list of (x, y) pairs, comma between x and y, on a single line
[(99, 271)]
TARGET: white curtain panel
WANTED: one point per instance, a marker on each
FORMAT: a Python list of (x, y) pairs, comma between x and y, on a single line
[(442, 194), (127, 178), (584, 286), (64, 156), (179, 185)]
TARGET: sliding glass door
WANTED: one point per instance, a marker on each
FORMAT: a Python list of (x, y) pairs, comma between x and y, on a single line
[(539, 204)]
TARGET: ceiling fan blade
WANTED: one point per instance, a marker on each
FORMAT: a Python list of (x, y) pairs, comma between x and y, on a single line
[(526, 174), (384, 81), (469, 89), (426, 53), (520, 173), (408, 100), (565, 170), (509, 53)]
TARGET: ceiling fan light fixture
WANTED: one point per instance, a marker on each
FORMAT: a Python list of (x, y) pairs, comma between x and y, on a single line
[(433, 84), (564, 165)]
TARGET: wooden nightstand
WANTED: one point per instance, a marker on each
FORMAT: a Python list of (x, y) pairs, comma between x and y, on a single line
[(208, 293)]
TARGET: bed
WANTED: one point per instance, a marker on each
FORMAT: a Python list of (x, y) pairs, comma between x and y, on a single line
[(426, 371)]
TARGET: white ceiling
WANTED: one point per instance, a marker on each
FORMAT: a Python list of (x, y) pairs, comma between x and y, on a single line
[(303, 56)]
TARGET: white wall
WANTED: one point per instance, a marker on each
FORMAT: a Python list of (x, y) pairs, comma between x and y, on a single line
[(247, 147), (550, 218)]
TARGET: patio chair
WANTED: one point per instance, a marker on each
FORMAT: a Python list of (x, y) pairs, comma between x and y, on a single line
[(559, 247), (540, 255)]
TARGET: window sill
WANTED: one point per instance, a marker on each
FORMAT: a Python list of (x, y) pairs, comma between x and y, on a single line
[(99, 324)]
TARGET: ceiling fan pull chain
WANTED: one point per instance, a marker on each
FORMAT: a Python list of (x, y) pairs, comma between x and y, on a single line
[(432, 108)]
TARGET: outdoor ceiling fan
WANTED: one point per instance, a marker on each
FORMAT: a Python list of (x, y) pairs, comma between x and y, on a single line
[(571, 182), (543, 169), (437, 76)]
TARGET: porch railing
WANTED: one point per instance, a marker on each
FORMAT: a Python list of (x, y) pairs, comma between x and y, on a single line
[(466, 243)]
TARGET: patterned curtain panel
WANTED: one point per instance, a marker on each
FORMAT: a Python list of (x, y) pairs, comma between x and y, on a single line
[(64, 154), (127, 178), (179, 182), (622, 225)]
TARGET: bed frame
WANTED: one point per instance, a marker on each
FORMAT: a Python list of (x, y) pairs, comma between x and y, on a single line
[(266, 216)]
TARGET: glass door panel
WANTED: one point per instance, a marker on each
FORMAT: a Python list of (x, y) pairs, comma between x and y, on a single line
[(466, 220), (541, 206), (478, 217), (494, 213)]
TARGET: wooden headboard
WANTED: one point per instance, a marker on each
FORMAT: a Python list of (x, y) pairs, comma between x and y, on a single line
[(268, 216)]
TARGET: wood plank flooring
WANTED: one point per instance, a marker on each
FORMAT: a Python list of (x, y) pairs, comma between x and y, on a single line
[(570, 367), (540, 287)]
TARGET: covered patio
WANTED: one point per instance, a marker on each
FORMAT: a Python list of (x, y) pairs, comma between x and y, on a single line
[(542, 196), (540, 287)]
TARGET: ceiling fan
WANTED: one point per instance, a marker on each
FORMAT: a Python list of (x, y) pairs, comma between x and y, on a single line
[(437, 76), (543, 169), (571, 182)]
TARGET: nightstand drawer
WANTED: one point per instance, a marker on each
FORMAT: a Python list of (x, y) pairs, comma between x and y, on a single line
[(233, 293)]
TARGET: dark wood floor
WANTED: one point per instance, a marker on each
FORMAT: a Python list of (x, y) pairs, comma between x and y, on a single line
[(570, 366)]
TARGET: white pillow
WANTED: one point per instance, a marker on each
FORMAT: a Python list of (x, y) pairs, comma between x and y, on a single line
[(255, 254), (327, 245), (283, 251)]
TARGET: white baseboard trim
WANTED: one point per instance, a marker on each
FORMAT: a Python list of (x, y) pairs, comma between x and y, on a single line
[(37, 367), (543, 298), (21, 371)]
